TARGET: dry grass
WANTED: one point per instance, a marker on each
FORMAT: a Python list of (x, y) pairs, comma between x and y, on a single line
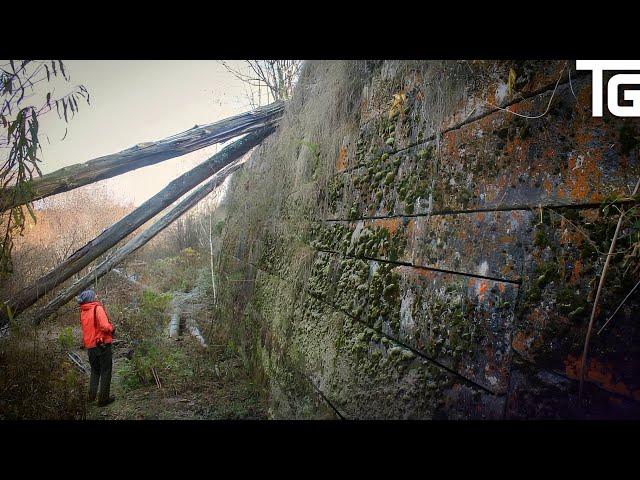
[(37, 381), (283, 189)]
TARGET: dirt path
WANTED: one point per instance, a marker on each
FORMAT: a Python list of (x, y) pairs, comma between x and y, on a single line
[(224, 396), (221, 391)]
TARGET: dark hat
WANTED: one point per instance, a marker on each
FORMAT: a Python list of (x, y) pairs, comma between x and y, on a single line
[(86, 296)]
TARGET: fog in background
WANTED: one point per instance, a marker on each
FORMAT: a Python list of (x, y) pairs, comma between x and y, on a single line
[(135, 101)]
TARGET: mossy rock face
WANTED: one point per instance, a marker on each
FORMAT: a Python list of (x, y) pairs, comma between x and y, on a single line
[(564, 261), (346, 339), (364, 371), (389, 178)]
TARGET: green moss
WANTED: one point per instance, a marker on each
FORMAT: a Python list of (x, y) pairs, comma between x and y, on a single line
[(545, 274), (541, 239), (465, 196), (353, 212), (570, 302), (426, 153), (389, 178)]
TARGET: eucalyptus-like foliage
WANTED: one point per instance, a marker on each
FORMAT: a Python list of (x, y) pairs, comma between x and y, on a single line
[(26, 94)]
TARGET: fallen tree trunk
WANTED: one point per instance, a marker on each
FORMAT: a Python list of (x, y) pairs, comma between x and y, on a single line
[(133, 281), (77, 361), (144, 154), (126, 225), (195, 331), (174, 325), (134, 244)]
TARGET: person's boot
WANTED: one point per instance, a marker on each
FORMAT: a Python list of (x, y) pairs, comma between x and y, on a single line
[(109, 400)]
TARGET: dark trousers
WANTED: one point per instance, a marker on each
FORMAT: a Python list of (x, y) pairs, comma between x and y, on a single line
[(100, 359)]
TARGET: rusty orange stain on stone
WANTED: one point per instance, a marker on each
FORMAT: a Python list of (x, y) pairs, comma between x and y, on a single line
[(429, 274), (518, 342), (391, 224), (541, 79), (616, 401), (482, 289), (517, 215), (507, 270), (575, 274), (579, 176), (341, 163), (491, 97), (449, 143), (568, 235), (501, 182), (549, 153), (598, 373), (511, 148)]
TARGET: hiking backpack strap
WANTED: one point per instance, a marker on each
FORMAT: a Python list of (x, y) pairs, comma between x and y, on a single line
[(95, 323)]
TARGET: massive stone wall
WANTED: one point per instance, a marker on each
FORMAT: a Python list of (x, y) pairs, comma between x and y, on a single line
[(450, 265)]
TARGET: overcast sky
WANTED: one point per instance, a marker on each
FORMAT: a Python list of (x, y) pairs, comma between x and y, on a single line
[(140, 101)]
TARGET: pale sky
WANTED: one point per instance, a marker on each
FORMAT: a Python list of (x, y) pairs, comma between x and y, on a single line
[(135, 101)]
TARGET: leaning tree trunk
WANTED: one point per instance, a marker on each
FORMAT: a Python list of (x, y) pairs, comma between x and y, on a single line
[(135, 243), (144, 154), (111, 236)]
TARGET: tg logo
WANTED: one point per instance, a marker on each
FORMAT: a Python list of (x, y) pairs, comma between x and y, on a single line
[(633, 96)]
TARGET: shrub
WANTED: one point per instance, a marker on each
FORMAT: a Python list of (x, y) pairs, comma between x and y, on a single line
[(129, 378), (65, 338), (37, 380), (172, 365)]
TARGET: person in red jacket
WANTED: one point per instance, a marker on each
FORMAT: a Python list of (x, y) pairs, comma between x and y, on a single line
[(97, 336)]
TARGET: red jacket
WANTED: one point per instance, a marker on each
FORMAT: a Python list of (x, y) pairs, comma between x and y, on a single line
[(96, 327)]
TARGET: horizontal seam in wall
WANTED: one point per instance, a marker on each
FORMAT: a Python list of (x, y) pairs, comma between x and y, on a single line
[(508, 208), (468, 121), (572, 380), (555, 372), (422, 267), (422, 355), (417, 352), (409, 347)]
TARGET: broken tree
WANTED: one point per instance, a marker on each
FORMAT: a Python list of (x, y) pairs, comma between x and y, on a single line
[(144, 154), (119, 230), (135, 243)]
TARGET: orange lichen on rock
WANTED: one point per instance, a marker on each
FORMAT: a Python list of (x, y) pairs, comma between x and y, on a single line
[(518, 342), (341, 163), (575, 274), (481, 289), (397, 103), (505, 239), (598, 373), (582, 173), (391, 224), (516, 148)]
